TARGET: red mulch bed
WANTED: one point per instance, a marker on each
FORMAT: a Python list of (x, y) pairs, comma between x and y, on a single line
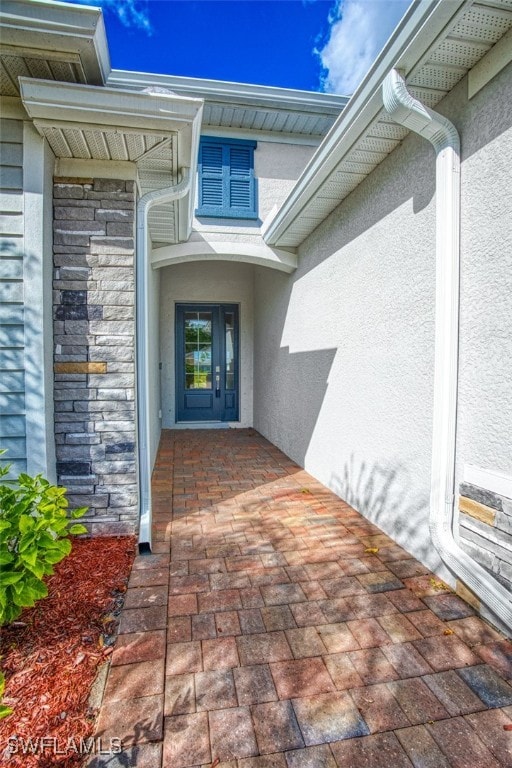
[(51, 654)]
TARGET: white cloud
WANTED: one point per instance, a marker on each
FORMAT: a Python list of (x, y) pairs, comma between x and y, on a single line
[(358, 31), (131, 13)]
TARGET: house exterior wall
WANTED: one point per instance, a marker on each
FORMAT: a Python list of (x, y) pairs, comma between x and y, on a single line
[(12, 298), (353, 329), (485, 375), (276, 166), (94, 334), (214, 282)]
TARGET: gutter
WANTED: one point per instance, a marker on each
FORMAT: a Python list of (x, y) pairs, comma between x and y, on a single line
[(442, 134), (144, 205)]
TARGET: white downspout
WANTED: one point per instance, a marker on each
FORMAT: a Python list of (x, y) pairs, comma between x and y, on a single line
[(442, 134), (146, 202)]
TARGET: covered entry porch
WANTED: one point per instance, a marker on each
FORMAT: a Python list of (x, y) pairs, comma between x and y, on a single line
[(274, 626)]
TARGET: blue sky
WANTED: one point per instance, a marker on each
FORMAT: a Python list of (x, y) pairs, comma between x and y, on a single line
[(316, 45)]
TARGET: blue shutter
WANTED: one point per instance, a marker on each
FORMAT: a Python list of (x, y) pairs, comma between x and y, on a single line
[(211, 176), (227, 187)]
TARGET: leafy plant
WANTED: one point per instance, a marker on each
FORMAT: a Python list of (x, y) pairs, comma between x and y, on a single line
[(4, 710), (35, 525)]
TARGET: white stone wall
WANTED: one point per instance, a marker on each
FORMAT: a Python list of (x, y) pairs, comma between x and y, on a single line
[(344, 348), (215, 282)]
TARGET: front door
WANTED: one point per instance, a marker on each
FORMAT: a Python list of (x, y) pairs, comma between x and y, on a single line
[(207, 387)]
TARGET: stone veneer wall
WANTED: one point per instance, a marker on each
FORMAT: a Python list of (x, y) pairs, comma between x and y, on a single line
[(485, 529), (94, 336)]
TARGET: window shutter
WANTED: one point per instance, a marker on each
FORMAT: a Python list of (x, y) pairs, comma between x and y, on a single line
[(227, 187), (241, 179), (211, 176)]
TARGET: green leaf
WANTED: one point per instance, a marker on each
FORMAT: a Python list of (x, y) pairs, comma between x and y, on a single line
[(10, 577), (5, 711), (80, 512), (26, 523), (26, 598), (54, 556), (26, 541), (77, 528), (29, 556), (38, 569)]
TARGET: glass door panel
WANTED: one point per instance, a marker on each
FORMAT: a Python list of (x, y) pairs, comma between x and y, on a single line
[(229, 331), (198, 350)]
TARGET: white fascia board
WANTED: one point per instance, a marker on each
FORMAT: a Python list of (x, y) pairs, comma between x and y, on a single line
[(58, 27), (414, 36), (234, 93), (72, 103), (273, 138)]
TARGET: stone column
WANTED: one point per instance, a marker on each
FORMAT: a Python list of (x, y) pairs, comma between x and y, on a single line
[(94, 336)]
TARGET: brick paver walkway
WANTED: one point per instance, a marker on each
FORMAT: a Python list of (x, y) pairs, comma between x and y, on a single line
[(274, 627)]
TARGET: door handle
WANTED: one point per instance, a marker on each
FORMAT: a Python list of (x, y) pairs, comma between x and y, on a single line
[(217, 386)]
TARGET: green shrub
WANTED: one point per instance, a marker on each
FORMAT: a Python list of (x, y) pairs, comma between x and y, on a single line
[(35, 524), (4, 710)]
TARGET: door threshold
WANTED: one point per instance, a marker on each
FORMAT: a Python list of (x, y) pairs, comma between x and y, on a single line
[(202, 425)]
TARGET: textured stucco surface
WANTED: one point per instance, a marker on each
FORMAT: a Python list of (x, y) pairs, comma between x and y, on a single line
[(344, 348), (218, 282), (485, 377), (339, 385)]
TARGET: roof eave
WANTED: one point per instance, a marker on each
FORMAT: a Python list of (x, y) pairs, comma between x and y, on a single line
[(234, 93), (60, 27), (71, 102), (417, 31)]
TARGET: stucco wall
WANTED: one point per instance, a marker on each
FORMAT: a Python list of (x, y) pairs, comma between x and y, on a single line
[(276, 166), (218, 282), (485, 375), (344, 348)]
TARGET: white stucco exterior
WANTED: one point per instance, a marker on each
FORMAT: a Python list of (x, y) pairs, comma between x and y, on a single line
[(354, 329), (217, 282), (485, 376)]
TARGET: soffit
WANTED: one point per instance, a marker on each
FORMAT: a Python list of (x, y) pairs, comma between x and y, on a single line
[(248, 107), (471, 34), (51, 41), (152, 130)]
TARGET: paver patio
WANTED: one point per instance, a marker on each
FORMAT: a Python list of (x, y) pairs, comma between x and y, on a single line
[(275, 627)]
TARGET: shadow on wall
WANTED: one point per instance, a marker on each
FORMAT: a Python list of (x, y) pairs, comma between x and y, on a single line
[(299, 401), (382, 193), (382, 494)]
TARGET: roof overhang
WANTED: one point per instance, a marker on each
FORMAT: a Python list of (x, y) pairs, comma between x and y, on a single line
[(52, 40), (159, 132), (284, 113), (435, 45)]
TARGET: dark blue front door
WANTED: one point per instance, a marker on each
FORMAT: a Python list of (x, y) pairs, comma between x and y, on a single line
[(207, 387)]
